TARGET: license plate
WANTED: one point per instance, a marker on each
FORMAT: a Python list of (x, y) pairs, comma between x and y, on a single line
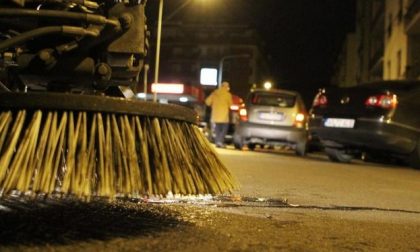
[(271, 116), (339, 123)]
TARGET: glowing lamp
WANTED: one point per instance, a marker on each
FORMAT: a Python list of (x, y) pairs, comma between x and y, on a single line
[(168, 88)]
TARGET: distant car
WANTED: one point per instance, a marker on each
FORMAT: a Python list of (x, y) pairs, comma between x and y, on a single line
[(272, 117), (381, 118)]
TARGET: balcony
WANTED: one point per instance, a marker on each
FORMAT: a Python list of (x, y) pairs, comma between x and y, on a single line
[(412, 18)]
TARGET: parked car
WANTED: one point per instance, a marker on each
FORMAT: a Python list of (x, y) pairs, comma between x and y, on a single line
[(376, 118), (272, 117)]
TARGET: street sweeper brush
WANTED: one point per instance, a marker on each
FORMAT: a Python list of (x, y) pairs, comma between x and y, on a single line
[(66, 124), (87, 146)]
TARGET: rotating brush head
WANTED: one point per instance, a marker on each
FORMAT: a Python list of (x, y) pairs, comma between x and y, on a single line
[(100, 146)]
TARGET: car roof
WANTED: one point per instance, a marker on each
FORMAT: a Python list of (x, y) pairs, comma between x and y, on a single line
[(402, 85), (392, 82)]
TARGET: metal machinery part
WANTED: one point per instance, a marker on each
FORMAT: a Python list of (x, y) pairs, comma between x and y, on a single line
[(66, 125), (76, 46), (112, 105)]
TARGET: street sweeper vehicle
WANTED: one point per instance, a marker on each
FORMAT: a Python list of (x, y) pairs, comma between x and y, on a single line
[(65, 127)]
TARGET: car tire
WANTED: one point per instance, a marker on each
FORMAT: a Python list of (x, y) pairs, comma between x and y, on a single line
[(337, 155), (252, 146), (300, 148), (414, 159)]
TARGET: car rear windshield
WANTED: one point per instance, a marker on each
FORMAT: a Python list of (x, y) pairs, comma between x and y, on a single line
[(272, 99)]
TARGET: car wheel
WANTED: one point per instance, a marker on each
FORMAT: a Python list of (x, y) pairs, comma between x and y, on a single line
[(251, 146), (337, 155), (414, 160), (300, 148)]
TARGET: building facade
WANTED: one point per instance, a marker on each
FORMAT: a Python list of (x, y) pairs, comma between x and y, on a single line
[(370, 33), (187, 48), (363, 50), (346, 67), (395, 41), (388, 42), (371, 45), (402, 40)]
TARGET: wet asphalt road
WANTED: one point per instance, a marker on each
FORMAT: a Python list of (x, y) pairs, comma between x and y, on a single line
[(285, 203), (314, 180)]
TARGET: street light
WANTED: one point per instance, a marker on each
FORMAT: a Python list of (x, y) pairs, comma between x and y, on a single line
[(220, 75), (268, 85), (158, 39)]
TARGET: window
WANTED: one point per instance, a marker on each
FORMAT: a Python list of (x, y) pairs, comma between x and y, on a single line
[(389, 25), (270, 99), (176, 68), (400, 10), (389, 69), (399, 64), (177, 51), (202, 35)]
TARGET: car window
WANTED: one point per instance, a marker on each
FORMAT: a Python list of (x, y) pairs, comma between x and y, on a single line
[(271, 99)]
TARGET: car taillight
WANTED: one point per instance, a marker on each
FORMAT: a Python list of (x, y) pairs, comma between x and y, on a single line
[(300, 120), (320, 100), (386, 101), (243, 114)]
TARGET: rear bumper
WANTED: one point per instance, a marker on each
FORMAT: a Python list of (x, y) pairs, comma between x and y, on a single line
[(260, 133), (370, 134)]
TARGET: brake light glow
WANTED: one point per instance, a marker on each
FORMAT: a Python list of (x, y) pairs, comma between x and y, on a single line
[(320, 100), (299, 120), (243, 114), (299, 117), (386, 101)]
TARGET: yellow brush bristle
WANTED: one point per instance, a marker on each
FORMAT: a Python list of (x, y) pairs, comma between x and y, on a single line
[(104, 154)]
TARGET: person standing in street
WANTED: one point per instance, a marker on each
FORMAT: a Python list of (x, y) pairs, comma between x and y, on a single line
[(220, 101)]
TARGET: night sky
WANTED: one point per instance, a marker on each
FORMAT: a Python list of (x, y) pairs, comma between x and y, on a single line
[(302, 37)]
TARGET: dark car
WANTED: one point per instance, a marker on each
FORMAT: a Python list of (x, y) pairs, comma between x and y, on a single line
[(272, 117), (381, 118)]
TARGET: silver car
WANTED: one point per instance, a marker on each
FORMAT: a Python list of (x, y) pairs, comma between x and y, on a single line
[(272, 117)]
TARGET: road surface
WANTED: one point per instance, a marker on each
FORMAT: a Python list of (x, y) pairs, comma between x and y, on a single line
[(285, 203)]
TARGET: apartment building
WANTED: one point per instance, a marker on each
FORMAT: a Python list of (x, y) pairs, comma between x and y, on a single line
[(188, 48), (402, 40), (388, 42), (362, 55), (346, 67)]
